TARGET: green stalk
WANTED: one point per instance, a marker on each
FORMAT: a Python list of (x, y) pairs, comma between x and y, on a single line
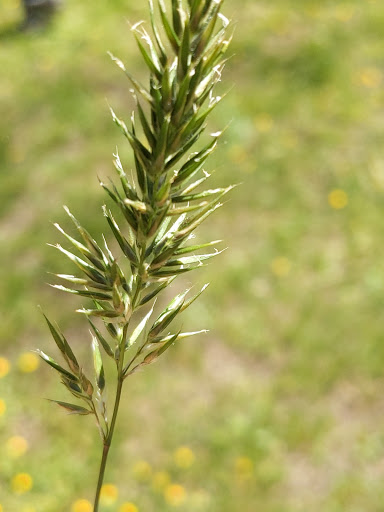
[(101, 476), (120, 381), (108, 441)]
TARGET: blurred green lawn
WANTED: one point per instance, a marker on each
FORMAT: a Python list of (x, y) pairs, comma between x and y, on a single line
[(281, 404)]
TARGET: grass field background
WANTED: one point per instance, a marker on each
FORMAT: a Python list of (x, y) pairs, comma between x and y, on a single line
[(280, 407)]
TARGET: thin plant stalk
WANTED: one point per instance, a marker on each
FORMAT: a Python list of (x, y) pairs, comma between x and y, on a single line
[(107, 445), (157, 212), (108, 439)]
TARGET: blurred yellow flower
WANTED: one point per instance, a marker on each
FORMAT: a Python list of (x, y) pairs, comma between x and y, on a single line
[(142, 471), (1, 508), (244, 467), (3, 407), (28, 362), (109, 494), (184, 457), (160, 480), (5, 366), (281, 267), (337, 199), (82, 506), (263, 123), (16, 446), (128, 507), (370, 77), (21, 483), (175, 494)]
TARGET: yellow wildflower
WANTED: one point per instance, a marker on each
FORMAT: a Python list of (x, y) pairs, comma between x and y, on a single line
[(175, 494), (244, 467), (28, 362), (3, 407), (128, 507), (370, 77), (109, 494), (21, 483), (281, 267), (184, 457), (337, 199), (16, 446), (5, 366), (82, 506)]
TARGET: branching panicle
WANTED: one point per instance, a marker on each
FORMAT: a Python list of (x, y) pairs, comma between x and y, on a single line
[(161, 207)]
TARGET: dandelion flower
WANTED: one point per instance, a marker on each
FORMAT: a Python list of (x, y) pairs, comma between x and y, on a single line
[(370, 77), (16, 446), (175, 494), (82, 506), (244, 467), (5, 366), (281, 267), (3, 407), (109, 494), (128, 507), (21, 483), (338, 199), (184, 457), (28, 362)]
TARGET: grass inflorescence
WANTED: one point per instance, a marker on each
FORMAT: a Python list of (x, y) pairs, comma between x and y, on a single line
[(156, 211)]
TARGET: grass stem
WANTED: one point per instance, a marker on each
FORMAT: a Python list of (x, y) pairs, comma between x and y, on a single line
[(101, 476), (109, 437), (108, 440)]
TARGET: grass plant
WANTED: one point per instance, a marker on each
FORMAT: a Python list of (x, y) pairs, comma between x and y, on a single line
[(291, 370), (157, 210)]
